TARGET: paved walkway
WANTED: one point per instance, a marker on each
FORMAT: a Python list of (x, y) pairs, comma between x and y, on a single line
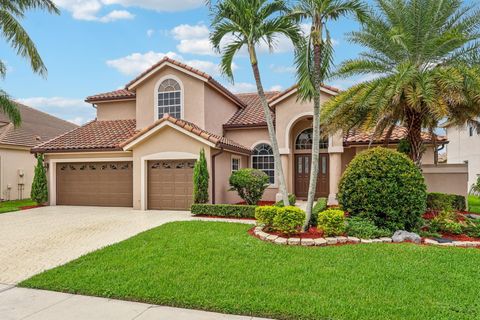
[(35, 240), (30, 304)]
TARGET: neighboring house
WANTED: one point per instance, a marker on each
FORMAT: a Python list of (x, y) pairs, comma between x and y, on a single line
[(464, 147), (16, 162), (141, 149)]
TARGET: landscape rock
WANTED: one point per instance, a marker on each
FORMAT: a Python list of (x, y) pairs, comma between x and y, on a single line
[(308, 242), (402, 235), (280, 240), (294, 241), (430, 241), (320, 242), (331, 240), (341, 239), (353, 239), (473, 216), (366, 241), (386, 239)]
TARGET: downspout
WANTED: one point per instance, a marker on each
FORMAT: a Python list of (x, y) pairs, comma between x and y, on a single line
[(213, 173)]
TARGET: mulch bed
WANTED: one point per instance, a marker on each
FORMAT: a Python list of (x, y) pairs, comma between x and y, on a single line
[(31, 207), (260, 203), (312, 233), (458, 237)]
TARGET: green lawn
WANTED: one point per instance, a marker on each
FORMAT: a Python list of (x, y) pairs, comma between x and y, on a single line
[(218, 266), (474, 204), (9, 206)]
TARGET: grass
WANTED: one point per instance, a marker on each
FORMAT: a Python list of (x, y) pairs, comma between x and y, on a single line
[(473, 204), (217, 266), (15, 205)]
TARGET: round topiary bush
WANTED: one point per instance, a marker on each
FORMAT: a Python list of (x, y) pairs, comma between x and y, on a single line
[(386, 187)]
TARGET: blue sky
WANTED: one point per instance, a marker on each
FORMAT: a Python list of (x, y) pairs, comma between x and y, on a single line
[(99, 45)]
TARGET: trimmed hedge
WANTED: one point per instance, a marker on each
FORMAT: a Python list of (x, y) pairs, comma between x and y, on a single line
[(288, 220), (445, 201), (320, 205), (224, 210), (292, 199), (384, 186), (332, 222)]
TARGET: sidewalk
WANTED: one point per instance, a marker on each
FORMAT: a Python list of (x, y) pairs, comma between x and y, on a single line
[(20, 303)]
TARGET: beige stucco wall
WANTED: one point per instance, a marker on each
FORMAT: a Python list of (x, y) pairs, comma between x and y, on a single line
[(168, 141), (464, 148), (217, 110), (446, 178), (193, 97), (116, 110), (223, 170), (11, 161)]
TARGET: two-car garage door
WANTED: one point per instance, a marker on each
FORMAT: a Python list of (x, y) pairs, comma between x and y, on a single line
[(169, 184), (95, 184)]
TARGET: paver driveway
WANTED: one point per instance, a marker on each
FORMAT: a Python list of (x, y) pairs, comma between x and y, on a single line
[(38, 239)]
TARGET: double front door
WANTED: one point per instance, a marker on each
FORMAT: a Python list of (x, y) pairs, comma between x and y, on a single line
[(302, 175)]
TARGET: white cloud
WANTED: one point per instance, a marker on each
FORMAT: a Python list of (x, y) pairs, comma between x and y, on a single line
[(241, 87), (150, 33), (159, 5), (282, 69), (187, 31), (71, 109), (196, 46), (89, 10), (136, 63), (276, 87)]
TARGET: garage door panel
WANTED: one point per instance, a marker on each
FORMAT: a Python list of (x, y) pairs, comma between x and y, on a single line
[(95, 184), (170, 184)]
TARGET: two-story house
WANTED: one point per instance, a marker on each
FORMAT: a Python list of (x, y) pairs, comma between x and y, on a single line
[(141, 149)]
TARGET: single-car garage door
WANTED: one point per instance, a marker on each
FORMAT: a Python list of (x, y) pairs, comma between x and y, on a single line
[(95, 184), (170, 184)]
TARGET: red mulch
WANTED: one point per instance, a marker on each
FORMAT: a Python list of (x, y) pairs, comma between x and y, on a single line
[(458, 237), (260, 203), (31, 207), (429, 215), (222, 217)]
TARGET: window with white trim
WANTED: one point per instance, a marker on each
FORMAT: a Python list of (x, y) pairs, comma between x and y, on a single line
[(235, 164), (262, 159), (169, 99)]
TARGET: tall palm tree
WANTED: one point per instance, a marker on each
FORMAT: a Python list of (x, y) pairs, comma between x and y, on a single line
[(423, 55), (11, 11), (314, 61), (248, 23)]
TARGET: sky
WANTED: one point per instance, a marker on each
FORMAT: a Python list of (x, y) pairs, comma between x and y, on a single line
[(96, 46)]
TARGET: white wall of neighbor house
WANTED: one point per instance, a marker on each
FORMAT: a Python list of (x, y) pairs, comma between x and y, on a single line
[(13, 162), (464, 146)]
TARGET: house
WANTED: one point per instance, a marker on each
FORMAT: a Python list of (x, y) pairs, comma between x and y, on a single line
[(464, 147), (141, 149), (16, 162)]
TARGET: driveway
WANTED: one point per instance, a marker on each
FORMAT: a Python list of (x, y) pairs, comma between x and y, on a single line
[(38, 239)]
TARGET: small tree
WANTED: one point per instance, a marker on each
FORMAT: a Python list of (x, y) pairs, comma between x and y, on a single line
[(250, 184), (200, 179), (39, 191)]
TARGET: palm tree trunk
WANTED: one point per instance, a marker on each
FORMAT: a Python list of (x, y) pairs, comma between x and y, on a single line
[(271, 129), (415, 136), (312, 186)]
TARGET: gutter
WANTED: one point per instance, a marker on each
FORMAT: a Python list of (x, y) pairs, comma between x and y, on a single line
[(214, 156)]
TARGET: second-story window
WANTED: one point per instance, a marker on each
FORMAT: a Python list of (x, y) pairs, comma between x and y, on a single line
[(169, 99)]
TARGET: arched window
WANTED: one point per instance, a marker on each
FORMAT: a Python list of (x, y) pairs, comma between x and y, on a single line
[(305, 140), (262, 159), (169, 99)]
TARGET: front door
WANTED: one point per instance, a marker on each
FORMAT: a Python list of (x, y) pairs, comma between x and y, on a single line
[(302, 176)]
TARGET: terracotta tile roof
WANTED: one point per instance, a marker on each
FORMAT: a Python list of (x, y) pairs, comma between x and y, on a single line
[(253, 114), (358, 137), (36, 127), (202, 74), (93, 136), (288, 90), (112, 95), (219, 141)]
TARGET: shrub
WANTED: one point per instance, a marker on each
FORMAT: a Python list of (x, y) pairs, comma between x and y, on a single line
[(472, 228), (39, 192), (446, 221), (320, 205), (385, 187), (288, 220), (365, 229), (442, 201), (224, 210), (265, 215), (292, 199), (332, 222), (250, 184), (200, 179)]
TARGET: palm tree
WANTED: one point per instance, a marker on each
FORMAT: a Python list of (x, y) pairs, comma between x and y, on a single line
[(314, 60), (13, 32), (248, 23), (422, 68)]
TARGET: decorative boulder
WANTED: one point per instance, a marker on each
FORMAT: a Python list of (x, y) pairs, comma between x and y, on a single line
[(402, 235)]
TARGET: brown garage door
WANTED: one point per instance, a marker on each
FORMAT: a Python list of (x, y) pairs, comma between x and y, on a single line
[(170, 184), (95, 184)]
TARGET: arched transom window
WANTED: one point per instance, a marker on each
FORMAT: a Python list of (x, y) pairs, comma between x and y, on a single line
[(305, 140), (262, 159), (169, 99)]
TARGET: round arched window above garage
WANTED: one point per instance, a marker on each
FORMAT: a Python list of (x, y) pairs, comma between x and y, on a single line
[(170, 99)]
